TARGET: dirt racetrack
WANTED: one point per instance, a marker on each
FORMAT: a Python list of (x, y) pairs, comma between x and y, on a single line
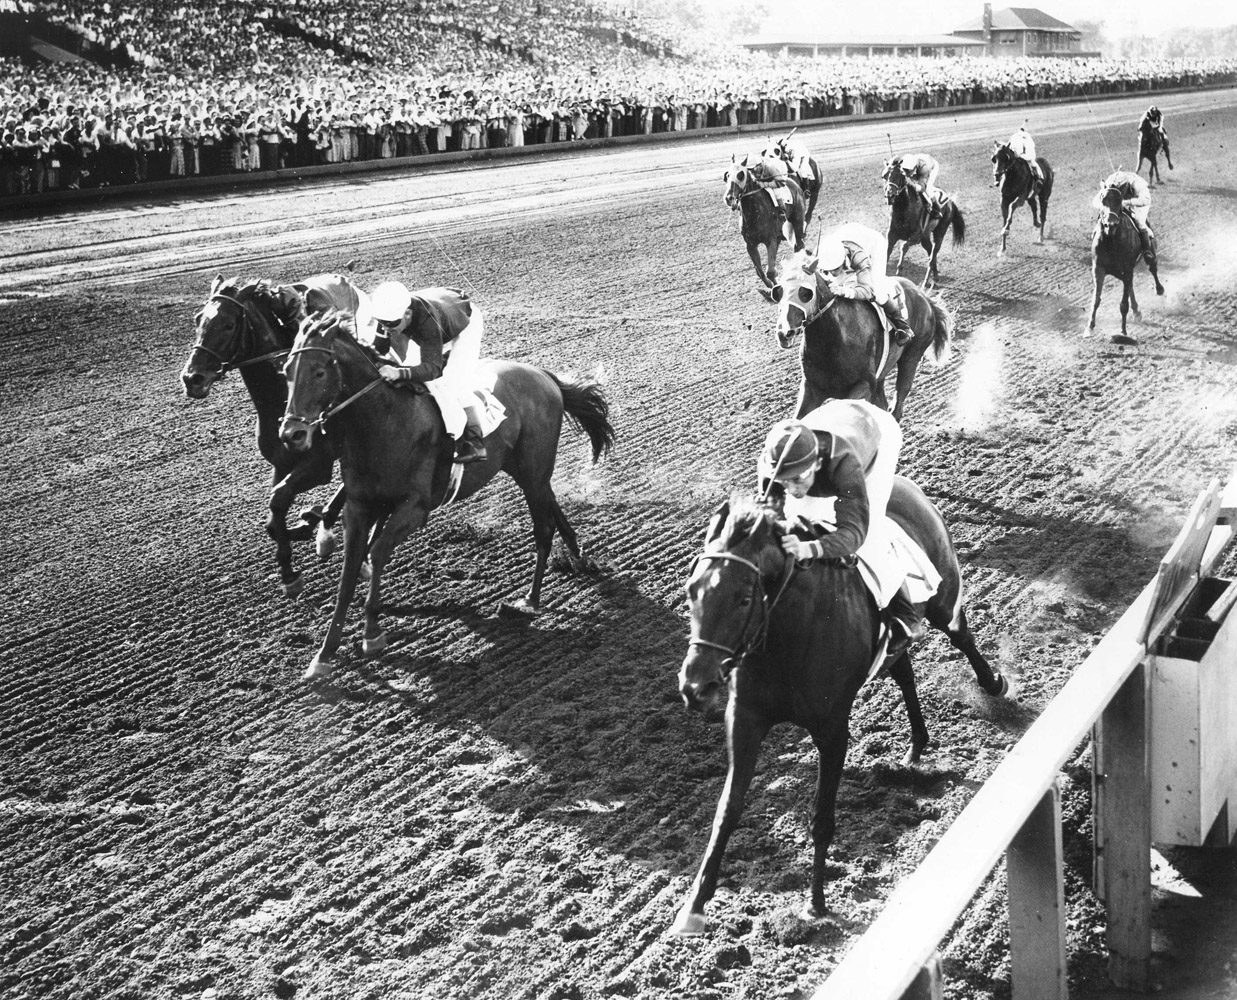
[(507, 809)]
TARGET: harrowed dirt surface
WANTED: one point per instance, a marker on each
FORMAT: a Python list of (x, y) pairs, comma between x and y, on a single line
[(500, 808)]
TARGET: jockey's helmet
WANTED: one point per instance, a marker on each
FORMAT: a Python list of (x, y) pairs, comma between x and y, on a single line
[(390, 301), (790, 451), (1153, 110), (831, 254)]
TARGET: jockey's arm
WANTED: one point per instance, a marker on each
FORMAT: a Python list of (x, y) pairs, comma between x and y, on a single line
[(1139, 197), (430, 368), (851, 512), (862, 290)]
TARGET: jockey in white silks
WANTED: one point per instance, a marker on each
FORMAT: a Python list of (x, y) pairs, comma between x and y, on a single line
[(1021, 144), (847, 257), (795, 154), (1135, 199), (434, 337), (920, 171), (835, 470)]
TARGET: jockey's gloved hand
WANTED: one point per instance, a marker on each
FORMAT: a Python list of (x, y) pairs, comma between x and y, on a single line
[(389, 372), (798, 549)]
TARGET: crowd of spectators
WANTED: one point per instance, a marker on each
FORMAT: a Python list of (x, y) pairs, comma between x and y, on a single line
[(253, 86)]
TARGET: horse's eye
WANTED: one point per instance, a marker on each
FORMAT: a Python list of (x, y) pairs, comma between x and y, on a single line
[(777, 292), (805, 294), (739, 176)]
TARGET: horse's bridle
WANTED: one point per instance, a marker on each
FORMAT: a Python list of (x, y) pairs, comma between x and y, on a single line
[(736, 655), (810, 318), (326, 415), (229, 362)]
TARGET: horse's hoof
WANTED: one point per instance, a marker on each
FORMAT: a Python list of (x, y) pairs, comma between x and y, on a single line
[(1002, 687), (688, 924), (810, 911), (517, 609), (374, 646), (912, 756), (325, 542), (293, 587), (319, 668), (312, 516)]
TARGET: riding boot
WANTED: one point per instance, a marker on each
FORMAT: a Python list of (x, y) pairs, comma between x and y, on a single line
[(900, 326), (471, 446), (905, 623), (1148, 243)]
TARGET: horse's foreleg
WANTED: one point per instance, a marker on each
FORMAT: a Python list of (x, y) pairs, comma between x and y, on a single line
[(830, 743), (1097, 279), (305, 475), (960, 637), (408, 517), (1125, 303), (358, 519), (1167, 158), (754, 252), (745, 734), (1009, 219), (809, 398), (902, 672), (771, 251)]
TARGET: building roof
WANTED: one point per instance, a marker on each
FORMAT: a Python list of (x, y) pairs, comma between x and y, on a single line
[(800, 40), (1019, 19)]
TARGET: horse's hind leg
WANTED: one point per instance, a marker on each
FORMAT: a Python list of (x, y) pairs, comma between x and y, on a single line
[(754, 253), (1097, 279), (546, 516), (908, 365), (960, 637), (902, 672)]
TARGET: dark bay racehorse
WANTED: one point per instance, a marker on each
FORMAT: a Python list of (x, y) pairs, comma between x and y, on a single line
[(249, 326), (787, 644), (395, 455), (1151, 140), (846, 354), (1013, 175), (910, 221), (760, 227), (809, 176), (1116, 249)]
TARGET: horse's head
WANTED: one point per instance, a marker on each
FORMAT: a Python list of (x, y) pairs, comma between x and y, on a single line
[(1002, 157), (737, 177), (895, 179), (1111, 203), (315, 377), (726, 598), (801, 295), (239, 325)]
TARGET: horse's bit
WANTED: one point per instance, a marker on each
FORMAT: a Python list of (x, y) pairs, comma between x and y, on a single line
[(226, 363), (738, 654)]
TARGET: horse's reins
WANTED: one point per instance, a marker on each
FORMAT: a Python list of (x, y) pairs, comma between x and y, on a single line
[(736, 655), (228, 362)]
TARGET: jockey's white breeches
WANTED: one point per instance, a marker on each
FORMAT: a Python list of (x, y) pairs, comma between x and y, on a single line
[(453, 390), (1139, 214)]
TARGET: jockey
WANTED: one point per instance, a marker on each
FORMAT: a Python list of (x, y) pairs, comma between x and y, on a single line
[(434, 337), (1136, 199), (835, 469), (1021, 144), (847, 267), (797, 157), (1153, 120), (770, 172), (920, 171)]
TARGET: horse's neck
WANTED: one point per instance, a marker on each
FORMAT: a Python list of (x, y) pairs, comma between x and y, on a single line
[(267, 387)]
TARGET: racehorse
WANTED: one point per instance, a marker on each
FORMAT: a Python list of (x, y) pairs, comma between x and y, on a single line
[(846, 354), (910, 220), (761, 225), (249, 327), (1151, 141), (396, 456), (1013, 175), (794, 644), (808, 174), (1115, 249)]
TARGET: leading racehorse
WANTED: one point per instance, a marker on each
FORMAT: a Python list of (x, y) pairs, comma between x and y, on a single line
[(249, 326), (791, 644), (846, 353), (395, 455), (1115, 249), (910, 220), (1013, 175), (762, 227), (1151, 141)]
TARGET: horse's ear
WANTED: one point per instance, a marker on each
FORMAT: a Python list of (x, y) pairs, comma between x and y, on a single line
[(811, 264), (732, 158), (717, 522), (216, 284)]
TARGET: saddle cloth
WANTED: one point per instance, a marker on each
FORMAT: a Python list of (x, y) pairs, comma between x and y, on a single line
[(889, 556)]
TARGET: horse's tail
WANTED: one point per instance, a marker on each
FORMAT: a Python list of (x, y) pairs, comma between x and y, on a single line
[(943, 334), (958, 225), (586, 405)]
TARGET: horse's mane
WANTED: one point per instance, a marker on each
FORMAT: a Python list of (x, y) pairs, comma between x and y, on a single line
[(745, 518), (320, 324)]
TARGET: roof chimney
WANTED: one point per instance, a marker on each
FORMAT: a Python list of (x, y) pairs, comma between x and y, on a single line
[(987, 22)]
